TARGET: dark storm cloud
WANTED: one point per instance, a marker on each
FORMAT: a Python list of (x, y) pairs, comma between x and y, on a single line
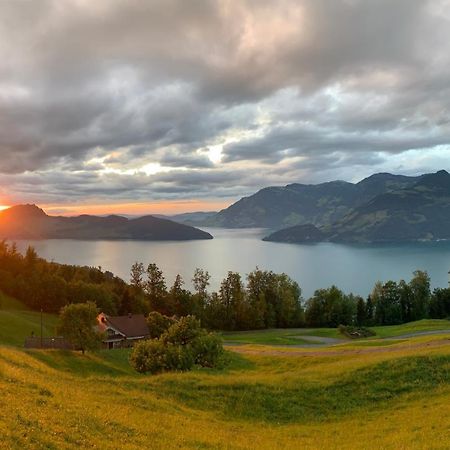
[(91, 93)]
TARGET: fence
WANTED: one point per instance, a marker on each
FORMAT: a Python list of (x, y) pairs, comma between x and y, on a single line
[(48, 342)]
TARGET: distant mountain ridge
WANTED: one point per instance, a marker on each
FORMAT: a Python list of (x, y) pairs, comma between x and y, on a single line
[(31, 222), (420, 211), (298, 204)]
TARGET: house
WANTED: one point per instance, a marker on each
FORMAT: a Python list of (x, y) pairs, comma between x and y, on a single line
[(122, 331)]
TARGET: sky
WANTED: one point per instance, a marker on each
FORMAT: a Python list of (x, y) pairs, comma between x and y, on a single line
[(173, 105)]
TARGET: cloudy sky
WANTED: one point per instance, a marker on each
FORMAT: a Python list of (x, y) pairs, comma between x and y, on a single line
[(176, 105)]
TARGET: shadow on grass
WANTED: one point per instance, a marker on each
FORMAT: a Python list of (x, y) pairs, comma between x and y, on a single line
[(363, 389), (102, 362)]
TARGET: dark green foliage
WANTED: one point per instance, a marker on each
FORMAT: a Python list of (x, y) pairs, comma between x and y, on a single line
[(158, 324), (355, 332), (49, 286), (208, 350), (78, 325), (149, 356), (181, 346), (183, 331), (440, 304), (330, 307), (178, 358)]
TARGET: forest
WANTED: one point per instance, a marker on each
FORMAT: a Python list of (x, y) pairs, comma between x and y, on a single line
[(263, 299)]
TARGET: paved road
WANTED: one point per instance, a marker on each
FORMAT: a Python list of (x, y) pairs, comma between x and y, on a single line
[(320, 341)]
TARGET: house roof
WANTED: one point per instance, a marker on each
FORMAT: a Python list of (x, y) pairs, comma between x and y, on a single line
[(132, 325)]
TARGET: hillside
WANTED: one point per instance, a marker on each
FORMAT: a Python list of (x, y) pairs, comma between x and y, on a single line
[(321, 204), (31, 222), (418, 212), (268, 398), (17, 322)]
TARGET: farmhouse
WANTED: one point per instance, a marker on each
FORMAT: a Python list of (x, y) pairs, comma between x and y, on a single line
[(122, 331)]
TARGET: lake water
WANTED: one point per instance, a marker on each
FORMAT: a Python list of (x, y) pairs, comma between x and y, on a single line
[(350, 267)]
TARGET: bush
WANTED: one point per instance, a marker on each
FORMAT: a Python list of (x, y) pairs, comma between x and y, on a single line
[(355, 332), (149, 356), (184, 344), (158, 324), (183, 331), (208, 350), (179, 358)]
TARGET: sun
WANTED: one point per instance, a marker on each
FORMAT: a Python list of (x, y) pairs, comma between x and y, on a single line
[(2, 207)]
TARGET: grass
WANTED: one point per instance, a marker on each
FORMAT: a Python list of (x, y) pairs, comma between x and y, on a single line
[(412, 327), (293, 336), (375, 393), (17, 322), (288, 336), (55, 399)]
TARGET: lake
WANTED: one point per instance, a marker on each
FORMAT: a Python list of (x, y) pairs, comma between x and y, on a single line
[(353, 268)]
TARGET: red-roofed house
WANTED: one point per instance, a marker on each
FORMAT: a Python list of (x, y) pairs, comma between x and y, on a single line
[(122, 331)]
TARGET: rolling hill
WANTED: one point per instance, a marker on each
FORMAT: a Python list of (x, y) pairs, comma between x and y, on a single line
[(31, 222)]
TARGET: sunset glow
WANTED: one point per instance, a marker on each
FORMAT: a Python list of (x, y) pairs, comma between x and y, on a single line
[(136, 209)]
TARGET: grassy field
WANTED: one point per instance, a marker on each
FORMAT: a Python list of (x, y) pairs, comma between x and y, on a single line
[(390, 394), (395, 399), (16, 322), (293, 336), (288, 336)]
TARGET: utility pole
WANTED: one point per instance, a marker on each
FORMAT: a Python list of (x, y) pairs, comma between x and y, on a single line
[(41, 327)]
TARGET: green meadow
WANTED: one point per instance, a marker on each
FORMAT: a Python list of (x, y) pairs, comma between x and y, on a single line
[(367, 394)]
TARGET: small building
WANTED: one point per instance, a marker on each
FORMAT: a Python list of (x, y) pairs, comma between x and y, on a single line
[(122, 331)]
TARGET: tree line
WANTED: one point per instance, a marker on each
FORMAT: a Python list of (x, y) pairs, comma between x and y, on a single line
[(40, 284), (263, 299)]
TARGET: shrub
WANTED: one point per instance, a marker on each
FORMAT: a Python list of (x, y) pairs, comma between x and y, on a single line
[(184, 344), (355, 332), (208, 350), (183, 331), (149, 356), (158, 324), (178, 357)]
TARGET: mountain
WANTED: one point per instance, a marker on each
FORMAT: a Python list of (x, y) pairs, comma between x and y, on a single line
[(197, 218), (294, 204), (31, 222), (412, 213)]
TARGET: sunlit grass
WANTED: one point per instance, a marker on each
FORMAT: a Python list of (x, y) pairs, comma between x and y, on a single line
[(401, 399), (365, 394)]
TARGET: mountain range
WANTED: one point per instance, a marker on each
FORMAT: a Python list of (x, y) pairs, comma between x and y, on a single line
[(413, 209), (296, 204), (31, 222)]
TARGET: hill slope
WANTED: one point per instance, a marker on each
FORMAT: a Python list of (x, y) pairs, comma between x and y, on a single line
[(31, 222), (53, 399), (417, 212)]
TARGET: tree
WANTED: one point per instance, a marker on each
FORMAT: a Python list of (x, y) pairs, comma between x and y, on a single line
[(232, 298), (78, 325), (420, 290), (137, 275), (440, 303), (330, 308), (201, 282), (180, 299), (386, 298), (155, 286), (361, 312)]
